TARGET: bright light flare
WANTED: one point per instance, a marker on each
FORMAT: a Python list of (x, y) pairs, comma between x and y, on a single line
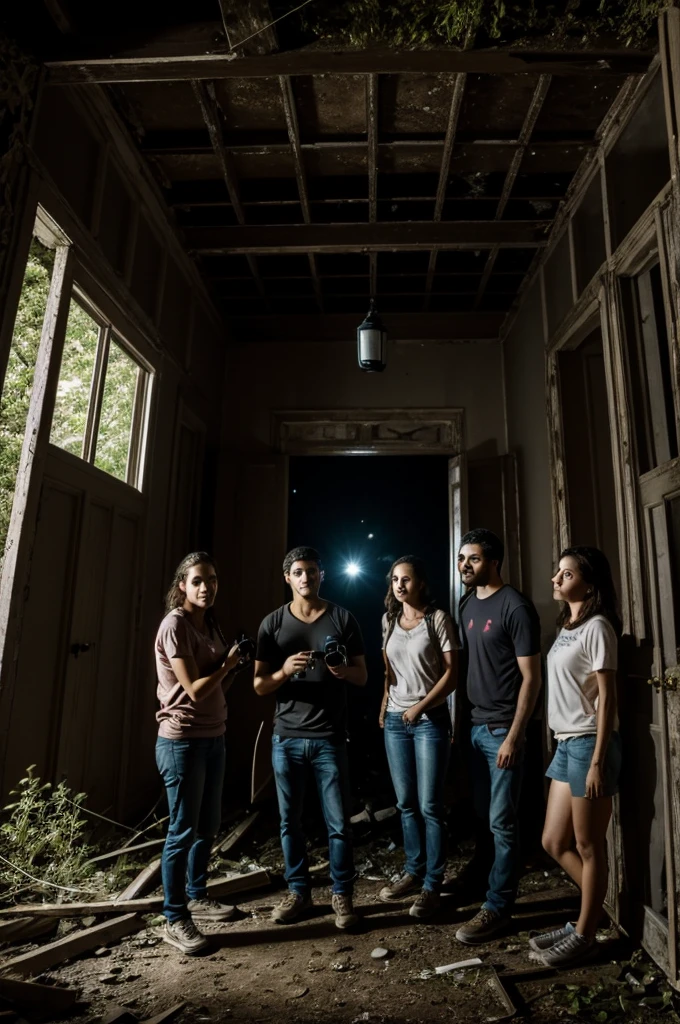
[(352, 569)]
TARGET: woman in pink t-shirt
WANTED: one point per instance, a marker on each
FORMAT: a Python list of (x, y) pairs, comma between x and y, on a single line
[(194, 673)]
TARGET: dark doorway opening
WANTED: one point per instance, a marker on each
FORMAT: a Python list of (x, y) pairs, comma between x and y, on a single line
[(365, 512)]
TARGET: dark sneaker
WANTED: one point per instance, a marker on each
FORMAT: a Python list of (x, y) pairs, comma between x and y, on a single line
[(570, 950), (290, 907), (184, 935), (485, 925), (427, 903), (210, 910), (400, 890), (343, 910), (547, 939)]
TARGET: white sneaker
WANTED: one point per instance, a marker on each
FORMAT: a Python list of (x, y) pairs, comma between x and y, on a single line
[(184, 935), (210, 910)]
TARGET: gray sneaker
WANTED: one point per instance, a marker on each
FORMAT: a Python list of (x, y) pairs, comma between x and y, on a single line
[(184, 935), (210, 910), (570, 950), (547, 939), (485, 925), (344, 911), (290, 907), (399, 890), (427, 903)]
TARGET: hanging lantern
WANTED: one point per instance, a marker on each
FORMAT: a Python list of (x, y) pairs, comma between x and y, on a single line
[(372, 342)]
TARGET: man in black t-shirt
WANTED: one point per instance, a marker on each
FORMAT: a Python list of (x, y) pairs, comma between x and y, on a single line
[(310, 724), (501, 632)]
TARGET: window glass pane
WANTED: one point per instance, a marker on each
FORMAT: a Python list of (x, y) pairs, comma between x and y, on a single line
[(75, 380), (649, 369), (115, 425), (16, 392)]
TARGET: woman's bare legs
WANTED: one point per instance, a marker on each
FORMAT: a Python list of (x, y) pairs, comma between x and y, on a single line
[(558, 831), (591, 819)]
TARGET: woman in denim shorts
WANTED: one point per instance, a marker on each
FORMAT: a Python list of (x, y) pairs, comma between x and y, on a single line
[(420, 648), (585, 769)]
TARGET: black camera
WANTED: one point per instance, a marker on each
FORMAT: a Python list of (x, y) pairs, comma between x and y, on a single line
[(334, 652), (246, 648)]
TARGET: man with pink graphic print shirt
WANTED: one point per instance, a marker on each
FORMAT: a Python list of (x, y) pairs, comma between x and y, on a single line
[(501, 634)]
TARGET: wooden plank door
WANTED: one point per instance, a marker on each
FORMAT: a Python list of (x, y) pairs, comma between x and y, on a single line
[(660, 492)]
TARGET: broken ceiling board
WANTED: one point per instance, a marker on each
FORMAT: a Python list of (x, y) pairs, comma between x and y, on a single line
[(164, 106), (317, 61), (581, 105), (330, 105), (496, 105), (347, 237), (251, 105), (189, 166), (415, 103)]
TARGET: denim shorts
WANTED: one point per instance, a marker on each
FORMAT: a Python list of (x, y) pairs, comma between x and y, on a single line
[(571, 763)]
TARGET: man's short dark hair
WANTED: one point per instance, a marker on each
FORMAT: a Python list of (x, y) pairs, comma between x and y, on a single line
[(491, 545), (300, 554)]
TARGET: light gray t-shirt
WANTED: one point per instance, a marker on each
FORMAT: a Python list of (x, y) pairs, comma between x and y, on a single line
[(573, 661), (415, 663)]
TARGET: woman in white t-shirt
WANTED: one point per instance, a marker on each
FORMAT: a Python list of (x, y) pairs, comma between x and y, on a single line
[(420, 650), (194, 672), (585, 770)]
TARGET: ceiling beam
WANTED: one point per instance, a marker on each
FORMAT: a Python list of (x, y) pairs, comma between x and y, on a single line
[(452, 327), (102, 70), (535, 107), (407, 236), (290, 113), (444, 171), (372, 163), (210, 110)]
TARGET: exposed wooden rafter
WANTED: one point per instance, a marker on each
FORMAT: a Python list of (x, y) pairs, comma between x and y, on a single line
[(535, 106), (449, 327), (444, 170), (409, 236), (210, 110), (372, 163), (88, 70), (290, 112)]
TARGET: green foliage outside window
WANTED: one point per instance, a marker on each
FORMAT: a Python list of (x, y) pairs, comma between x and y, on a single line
[(75, 381), (115, 429), (16, 392)]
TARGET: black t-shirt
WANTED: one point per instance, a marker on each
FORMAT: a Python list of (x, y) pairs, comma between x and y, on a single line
[(497, 631), (315, 706)]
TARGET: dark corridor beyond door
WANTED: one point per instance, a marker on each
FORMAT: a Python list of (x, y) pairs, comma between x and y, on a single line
[(367, 511)]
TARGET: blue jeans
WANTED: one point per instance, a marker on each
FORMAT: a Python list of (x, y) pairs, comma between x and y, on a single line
[(495, 792), (193, 773), (418, 756), (292, 758)]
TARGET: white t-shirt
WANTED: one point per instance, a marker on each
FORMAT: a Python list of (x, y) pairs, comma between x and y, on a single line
[(573, 661), (415, 663)]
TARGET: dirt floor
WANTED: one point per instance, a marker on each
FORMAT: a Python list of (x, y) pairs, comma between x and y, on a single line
[(309, 971)]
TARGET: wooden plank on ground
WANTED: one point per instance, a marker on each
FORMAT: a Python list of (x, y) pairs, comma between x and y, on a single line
[(237, 834), (17, 929), (218, 887), (123, 851), (143, 883), (26, 995), (72, 945)]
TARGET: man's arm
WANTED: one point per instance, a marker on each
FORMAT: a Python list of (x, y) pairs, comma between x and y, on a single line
[(266, 681), (530, 668), (354, 672)]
